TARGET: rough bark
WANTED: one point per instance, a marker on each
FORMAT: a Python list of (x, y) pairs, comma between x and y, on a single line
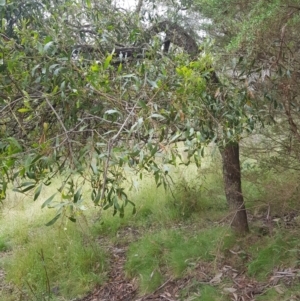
[(233, 187)]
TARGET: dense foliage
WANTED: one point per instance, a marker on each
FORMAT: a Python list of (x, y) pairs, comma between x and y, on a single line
[(77, 101), (88, 88)]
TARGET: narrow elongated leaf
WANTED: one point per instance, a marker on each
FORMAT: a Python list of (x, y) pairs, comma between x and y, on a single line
[(72, 219), (48, 45), (157, 116), (53, 220), (77, 196), (25, 187), (23, 110), (49, 200), (97, 198), (175, 137), (37, 192), (94, 168), (152, 83), (110, 112), (107, 61)]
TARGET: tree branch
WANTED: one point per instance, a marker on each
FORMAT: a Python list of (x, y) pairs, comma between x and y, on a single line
[(139, 7), (63, 127)]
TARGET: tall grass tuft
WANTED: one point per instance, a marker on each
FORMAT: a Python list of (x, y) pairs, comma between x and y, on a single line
[(274, 252), (61, 260), (171, 252)]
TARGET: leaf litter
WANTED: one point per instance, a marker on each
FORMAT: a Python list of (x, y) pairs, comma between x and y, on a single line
[(230, 281)]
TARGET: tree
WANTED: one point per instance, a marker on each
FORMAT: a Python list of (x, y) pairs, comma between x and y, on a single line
[(261, 39), (73, 102), (92, 96), (223, 110)]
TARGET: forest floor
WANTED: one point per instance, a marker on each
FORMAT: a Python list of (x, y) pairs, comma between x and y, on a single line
[(177, 246), (224, 278), (227, 275)]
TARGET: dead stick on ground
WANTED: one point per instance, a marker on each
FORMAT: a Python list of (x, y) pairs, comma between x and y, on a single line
[(163, 285)]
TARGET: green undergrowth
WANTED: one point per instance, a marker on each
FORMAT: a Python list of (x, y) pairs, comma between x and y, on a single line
[(277, 192), (196, 195), (53, 255), (171, 252), (168, 235), (61, 261), (278, 251), (202, 292), (281, 292), (3, 245)]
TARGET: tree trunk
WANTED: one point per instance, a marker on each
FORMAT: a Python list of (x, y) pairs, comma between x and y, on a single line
[(233, 187)]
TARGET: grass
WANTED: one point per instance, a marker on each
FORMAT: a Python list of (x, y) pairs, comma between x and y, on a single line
[(61, 260), (280, 250), (51, 256), (280, 293), (202, 292), (174, 231), (209, 293), (187, 200), (171, 251), (3, 245)]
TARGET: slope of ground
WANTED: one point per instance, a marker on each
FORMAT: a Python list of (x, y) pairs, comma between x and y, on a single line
[(177, 246)]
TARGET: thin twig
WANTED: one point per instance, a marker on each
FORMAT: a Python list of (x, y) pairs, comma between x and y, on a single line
[(139, 7), (46, 273), (109, 148), (11, 103), (64, 128), (159, 288)]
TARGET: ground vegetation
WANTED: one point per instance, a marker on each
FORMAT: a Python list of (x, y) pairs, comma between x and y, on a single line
[(181, 118)]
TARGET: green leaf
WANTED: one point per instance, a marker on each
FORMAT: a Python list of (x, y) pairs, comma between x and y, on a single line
[(23, 110), (37, 192), (56, 72), (95, 67), (31, 175), (202, 152), (52, 67), (2, 2), (111, 112), (157, 116), (35, 159), (77, 196), (49, 200), (34, 69), (152, 83), (175, 137), (15, 146), (97, 198), (107, 61), (94, 168), (26, 186), (119, 68), (142, 104), (48, 46), (53, 220)]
